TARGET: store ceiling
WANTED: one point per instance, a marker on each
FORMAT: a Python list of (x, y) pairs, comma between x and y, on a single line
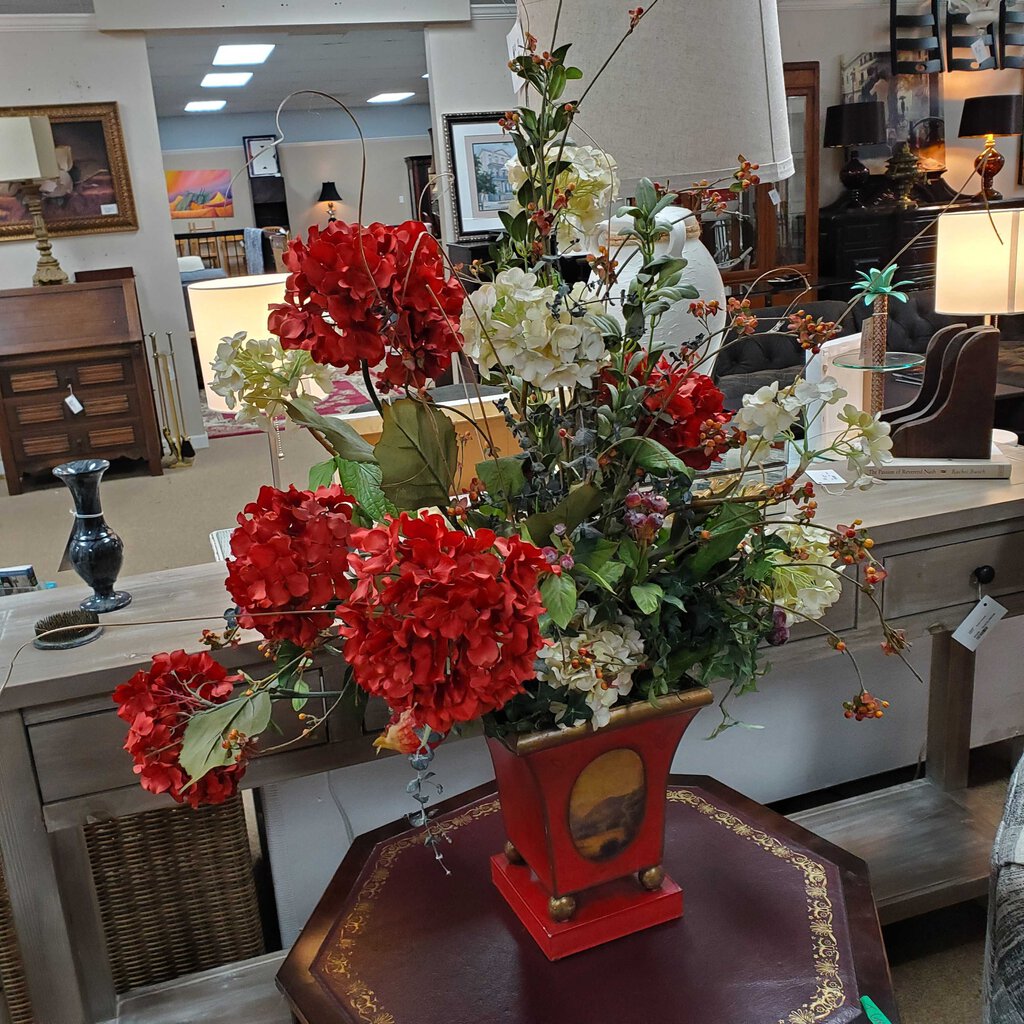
[(353, 65)]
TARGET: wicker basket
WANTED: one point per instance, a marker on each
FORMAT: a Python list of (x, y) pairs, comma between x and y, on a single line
[(176, 892), (14, 1002)]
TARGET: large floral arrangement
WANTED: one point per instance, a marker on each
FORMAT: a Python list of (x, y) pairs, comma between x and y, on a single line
[(596, 565)]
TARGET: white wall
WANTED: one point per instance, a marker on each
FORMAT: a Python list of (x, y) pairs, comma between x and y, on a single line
[(63, 59), (467, 66), (224, 158), (306, 165)]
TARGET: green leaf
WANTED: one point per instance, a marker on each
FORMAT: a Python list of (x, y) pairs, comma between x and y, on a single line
[(503, 477), (201, 748), (648, 597), (298, 703), (607, 577), (342, 437), (363, 481), (417, 453), (727, 529), (559, 596), (646, 198), (650, 454), (594, 552), (573, 74), (556, 84), (581, 503), (322, 474)]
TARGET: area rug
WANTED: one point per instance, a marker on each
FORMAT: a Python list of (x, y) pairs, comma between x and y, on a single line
[(344, 397)]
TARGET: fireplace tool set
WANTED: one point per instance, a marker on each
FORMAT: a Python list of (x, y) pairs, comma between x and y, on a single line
[(178, 450)]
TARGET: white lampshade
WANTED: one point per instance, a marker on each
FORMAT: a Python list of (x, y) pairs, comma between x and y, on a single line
[(696, 84), (978, 271), (223, 307), (26, 149)]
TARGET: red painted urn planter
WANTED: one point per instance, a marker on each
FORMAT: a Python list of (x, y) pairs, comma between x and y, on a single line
[(584, 814)]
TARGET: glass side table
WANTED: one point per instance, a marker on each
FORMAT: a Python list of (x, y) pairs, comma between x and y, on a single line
[(891, 362)]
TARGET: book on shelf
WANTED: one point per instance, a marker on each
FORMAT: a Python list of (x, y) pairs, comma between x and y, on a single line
[(998, 467)]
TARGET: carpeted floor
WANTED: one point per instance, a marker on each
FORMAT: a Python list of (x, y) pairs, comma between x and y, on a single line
[(166, 521)]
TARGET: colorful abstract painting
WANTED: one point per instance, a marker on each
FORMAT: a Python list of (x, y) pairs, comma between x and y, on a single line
[(199, 194)]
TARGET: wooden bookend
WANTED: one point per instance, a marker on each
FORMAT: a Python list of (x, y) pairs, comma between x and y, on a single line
[(953, 416)]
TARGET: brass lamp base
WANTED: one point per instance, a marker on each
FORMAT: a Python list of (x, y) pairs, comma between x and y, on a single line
[(988, 164), (48, 270)]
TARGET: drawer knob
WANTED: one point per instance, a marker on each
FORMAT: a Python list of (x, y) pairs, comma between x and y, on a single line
[(983, 575)]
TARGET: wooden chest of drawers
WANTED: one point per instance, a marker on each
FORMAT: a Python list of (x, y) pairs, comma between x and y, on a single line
[(80, 339)]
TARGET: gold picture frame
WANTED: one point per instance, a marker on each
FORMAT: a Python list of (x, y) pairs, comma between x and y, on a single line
[(95, 188)]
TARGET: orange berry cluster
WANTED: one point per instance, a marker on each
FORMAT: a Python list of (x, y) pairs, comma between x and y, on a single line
[(810, 332), (745, 176), (895, 641), (713, 439), (864, 706), (510, 121), (703, 310), (743, 320), (635, 14), (603, 265), (851, 544)]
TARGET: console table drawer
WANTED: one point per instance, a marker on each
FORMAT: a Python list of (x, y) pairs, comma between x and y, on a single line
[(82, 755), (940, 577)]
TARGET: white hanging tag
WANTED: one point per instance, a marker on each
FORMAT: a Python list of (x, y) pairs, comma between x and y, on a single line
[(72, 402), (980, 50), (985, 614), (825, 476), (773, 195)]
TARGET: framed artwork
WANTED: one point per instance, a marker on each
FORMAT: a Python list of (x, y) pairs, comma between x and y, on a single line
[(477, 151), (261, 156), (199, 193), (93, 192), (913, 109)]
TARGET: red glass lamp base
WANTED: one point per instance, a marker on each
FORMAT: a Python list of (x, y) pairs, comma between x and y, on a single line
[(606, 912)]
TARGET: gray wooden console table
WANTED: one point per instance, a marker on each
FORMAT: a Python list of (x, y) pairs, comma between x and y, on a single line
[(61, 766)]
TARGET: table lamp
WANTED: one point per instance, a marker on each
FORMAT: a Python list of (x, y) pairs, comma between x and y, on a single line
[(847, 126), (329, 195), (986, 117), (27, 158), (980, 263), (223, 307)]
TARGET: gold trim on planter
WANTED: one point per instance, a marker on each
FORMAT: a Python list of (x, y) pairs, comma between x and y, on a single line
[(69, 113), (670, 704)]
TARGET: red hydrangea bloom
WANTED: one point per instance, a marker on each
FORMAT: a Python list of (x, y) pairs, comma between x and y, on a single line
[(685, 408), (290, 553), (441, 623), (385, 292), (157, 703)]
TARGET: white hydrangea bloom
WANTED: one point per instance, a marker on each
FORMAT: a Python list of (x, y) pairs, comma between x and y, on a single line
[(257, 374), (510, 321), (805, 584), (592, 179), (871, 447), (763, 415), (599, 662)]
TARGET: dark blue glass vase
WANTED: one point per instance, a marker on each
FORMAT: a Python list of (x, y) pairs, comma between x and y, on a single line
[(95, 551)]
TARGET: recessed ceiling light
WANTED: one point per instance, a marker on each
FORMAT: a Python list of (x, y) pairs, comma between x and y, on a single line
[(226, 79), (204, 106), (243, 53), (390, 97), (427, 75)]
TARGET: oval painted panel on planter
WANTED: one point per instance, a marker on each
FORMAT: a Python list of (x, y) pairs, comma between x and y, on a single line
[(606, 806)]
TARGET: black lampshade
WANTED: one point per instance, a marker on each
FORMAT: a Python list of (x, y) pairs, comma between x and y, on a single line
[(991, 115), (855, 124), (329, 193)]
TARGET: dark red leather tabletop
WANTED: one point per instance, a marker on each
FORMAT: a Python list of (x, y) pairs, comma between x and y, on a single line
[(779, 926)]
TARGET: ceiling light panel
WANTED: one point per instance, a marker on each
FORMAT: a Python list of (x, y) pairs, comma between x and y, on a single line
[(226, 79), (205, 106), (242, 53), (390, 97)]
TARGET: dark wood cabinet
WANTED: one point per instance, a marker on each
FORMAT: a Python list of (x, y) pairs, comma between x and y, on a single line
[(855, 239), (81, 339)]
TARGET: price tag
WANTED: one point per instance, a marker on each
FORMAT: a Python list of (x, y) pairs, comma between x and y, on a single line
[(825, 476), (980, 50), (74, 404), (985, 614), (773, 195), (108, 209)]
